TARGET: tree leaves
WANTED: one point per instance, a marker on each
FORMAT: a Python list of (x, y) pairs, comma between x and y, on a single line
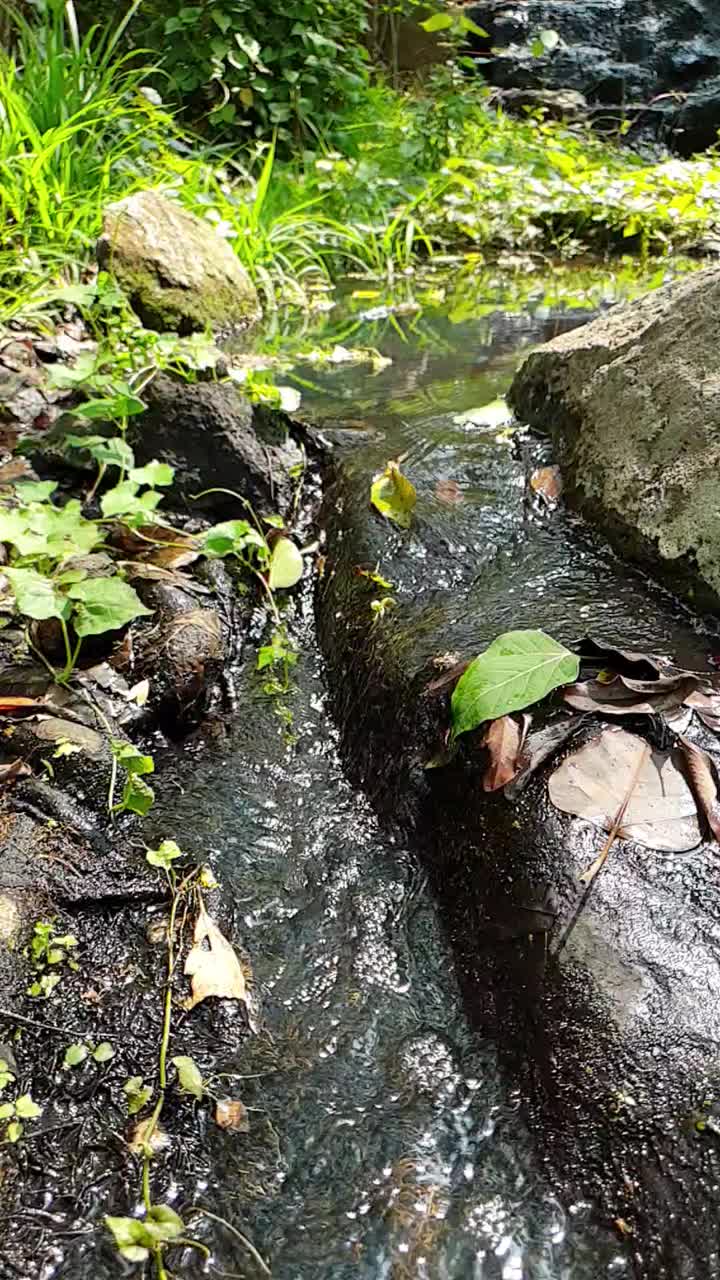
[(394, 496), (37, 596), (703, 780), (516, 670), (212, 964), (660, 813), (623, 696)]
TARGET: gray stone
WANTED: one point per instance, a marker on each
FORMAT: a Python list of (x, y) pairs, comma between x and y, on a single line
[(632, 404), (178, 273)]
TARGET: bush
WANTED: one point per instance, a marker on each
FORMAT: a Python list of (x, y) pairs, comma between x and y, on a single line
[(259, 66)]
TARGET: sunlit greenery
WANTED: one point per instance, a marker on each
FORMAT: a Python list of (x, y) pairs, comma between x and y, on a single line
[(375, 187)]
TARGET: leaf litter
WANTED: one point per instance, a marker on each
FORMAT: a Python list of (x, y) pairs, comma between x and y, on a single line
[(504, 739), (212, 964), (659, 811)]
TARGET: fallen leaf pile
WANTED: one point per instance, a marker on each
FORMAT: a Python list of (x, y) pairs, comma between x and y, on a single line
[(663, 799)]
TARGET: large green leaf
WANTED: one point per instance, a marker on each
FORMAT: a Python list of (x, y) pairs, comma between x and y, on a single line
[(517, 669), (286, 565), (36, 596), (104, 604), (111, 451)]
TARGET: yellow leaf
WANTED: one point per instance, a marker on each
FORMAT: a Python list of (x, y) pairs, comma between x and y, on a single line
[(246, 97), (212, 964), (393, 495)]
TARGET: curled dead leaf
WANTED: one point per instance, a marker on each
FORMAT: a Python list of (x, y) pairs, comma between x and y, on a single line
[(16, 769), (148, 1136), (623, 696), (504, 739), (212, 964), (704, 783), (231, 1113)]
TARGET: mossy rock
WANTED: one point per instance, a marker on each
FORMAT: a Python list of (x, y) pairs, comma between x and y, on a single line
[(179, 274)]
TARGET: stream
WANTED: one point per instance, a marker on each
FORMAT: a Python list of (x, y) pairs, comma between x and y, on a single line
[(383, 1141)]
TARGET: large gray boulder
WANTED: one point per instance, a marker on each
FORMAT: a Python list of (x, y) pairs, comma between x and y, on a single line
[(178, 272), (632, 404)]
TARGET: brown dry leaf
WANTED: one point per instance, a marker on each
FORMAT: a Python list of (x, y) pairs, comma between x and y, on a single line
[(17, 769), (212, 964), (622, 696), (15, 469), (231, 1113), (449, 492), (504, 740), (148, 1136), (592, 783), (706, 703), (703, 780), (547, 483)]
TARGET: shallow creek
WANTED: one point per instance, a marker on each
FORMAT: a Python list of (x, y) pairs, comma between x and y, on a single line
[(384, 1142)]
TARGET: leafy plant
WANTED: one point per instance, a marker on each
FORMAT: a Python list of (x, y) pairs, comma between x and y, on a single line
[(49, 953), (137, 797), (139, 1238), (276, 659), (516, 670), (20, 1109)]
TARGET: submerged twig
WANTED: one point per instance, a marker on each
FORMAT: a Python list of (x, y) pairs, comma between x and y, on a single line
[(239, 1236), (590, 873), (10, 1016)]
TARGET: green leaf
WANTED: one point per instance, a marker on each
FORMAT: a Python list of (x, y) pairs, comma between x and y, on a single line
[(138, 797), (163, 1224), (26, 1108), (7, 1109), (6, 1075), (103, 1052), (189, 1077), (438, 22), (75, 1054), (126, 1233), (125, 500), (34, 490), (120, 406), (516, 670), (164, 855), (394, 495), (131, 759), (467, 24), (137, 1094), (35, 595), (286, 565), (153, 473), (110, 452), (104, 604), (233, 537), (14, 1131)]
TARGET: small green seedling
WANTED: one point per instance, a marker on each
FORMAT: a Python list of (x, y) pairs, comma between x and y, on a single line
[(49, 953), (138, 797)]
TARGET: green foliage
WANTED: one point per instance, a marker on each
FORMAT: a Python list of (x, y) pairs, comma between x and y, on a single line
[(164, 856), (138, 1094), (16, 1111), (189, 1077), (49, 954), (137, 797), (276, 659), (518, 669), (138, 1238), (256, 65)]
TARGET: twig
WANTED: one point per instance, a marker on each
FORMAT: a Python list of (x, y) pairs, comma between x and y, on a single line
[(239, 1235), (589, 875), (10, 1016)]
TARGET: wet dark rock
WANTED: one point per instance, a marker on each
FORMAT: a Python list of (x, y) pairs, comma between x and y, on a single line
[(604, 1007), (183, 652), (177, 271), (632, 404), (558, 104), (622, 55), (214, 437)]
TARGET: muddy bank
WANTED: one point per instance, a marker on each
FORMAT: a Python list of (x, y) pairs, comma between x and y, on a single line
[(95, 938), (605, 1027)]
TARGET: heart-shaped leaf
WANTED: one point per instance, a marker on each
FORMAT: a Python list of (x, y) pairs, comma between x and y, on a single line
[(516, 670)]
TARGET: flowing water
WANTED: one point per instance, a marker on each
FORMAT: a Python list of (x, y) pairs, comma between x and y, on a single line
[(383, 1142)]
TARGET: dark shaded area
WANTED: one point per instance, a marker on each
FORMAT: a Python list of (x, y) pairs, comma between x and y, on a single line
[(655, 61)]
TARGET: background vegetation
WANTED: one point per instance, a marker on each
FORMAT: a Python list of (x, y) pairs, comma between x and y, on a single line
[(281, 125)]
